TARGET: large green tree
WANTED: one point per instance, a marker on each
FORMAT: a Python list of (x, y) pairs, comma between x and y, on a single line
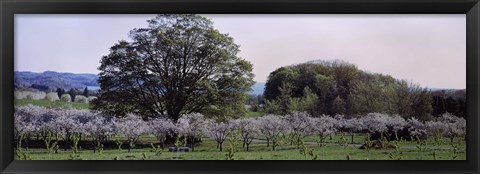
[(338, 87), (179, 64), (375, 93)]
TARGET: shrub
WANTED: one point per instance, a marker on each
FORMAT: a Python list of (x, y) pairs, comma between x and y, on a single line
[(91, 98), (65, 98), (51, 96), (29, 95), (81, 99)]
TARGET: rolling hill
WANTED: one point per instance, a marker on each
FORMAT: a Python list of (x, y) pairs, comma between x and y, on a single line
[(54, 80)]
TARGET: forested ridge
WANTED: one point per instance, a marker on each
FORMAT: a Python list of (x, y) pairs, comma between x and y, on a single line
[(338, 87)]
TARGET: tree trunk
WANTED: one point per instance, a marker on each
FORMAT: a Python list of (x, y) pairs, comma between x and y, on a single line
[(352, 137), (26, 145), (193, 144), (298, 142), (67, 142), (321, 140), (268, 142), (221, 146)]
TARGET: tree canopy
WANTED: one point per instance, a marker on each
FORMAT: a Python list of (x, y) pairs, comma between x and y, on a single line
[(179, 64), (338, 87)]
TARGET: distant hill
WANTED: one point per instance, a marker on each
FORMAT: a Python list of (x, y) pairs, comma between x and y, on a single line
[(457, 94), (440, 89), (257, 88), (54, 80)]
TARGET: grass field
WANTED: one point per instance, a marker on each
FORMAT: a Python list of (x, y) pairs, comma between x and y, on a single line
[(50, 104), (251, 114), (206, 150)]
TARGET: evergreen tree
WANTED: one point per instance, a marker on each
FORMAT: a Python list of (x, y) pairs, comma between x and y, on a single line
[(60, 92), (85, 92), (72, 94)]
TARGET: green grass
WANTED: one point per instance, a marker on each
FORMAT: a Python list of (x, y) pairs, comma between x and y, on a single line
[(258, 151), (359, 138), (251, 114), (50, 104)]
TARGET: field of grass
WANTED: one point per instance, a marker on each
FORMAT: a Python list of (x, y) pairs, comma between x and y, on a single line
[(251, 114), (207, 150), (50, 104)]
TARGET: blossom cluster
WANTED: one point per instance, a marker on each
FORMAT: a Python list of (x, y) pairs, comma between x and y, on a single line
[(39, 121)]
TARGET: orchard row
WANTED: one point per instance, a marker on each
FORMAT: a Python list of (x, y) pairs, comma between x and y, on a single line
[(52, 125)]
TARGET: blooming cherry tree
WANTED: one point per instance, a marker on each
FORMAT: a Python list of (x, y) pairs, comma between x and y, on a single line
[(131, 126), (161, 128), (416, 128), (99, 128), (193, 126), (218, 131), (396, 124), (299, 124), (456, 126), (324, 126), (351, 126), (272, 126), (248, 128), (375, 122)]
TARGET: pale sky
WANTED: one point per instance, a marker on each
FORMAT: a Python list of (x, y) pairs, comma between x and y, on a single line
[(425, 49)]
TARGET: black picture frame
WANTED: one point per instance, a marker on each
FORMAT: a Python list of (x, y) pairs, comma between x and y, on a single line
[(9, 8)]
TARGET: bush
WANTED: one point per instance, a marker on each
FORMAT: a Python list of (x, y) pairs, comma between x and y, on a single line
[(81, 99), (31, 95), (18, 94), (52, 96), (91, 98), (65, 98)]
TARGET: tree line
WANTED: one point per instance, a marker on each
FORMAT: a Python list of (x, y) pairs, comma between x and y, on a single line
[(338, 87)]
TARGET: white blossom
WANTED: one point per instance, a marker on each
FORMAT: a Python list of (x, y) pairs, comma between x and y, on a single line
[(161, 128), (218, 131), (272, 126), (193, 126)]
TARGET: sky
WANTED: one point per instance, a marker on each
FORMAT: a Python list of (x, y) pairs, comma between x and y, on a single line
[(426, 49)]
